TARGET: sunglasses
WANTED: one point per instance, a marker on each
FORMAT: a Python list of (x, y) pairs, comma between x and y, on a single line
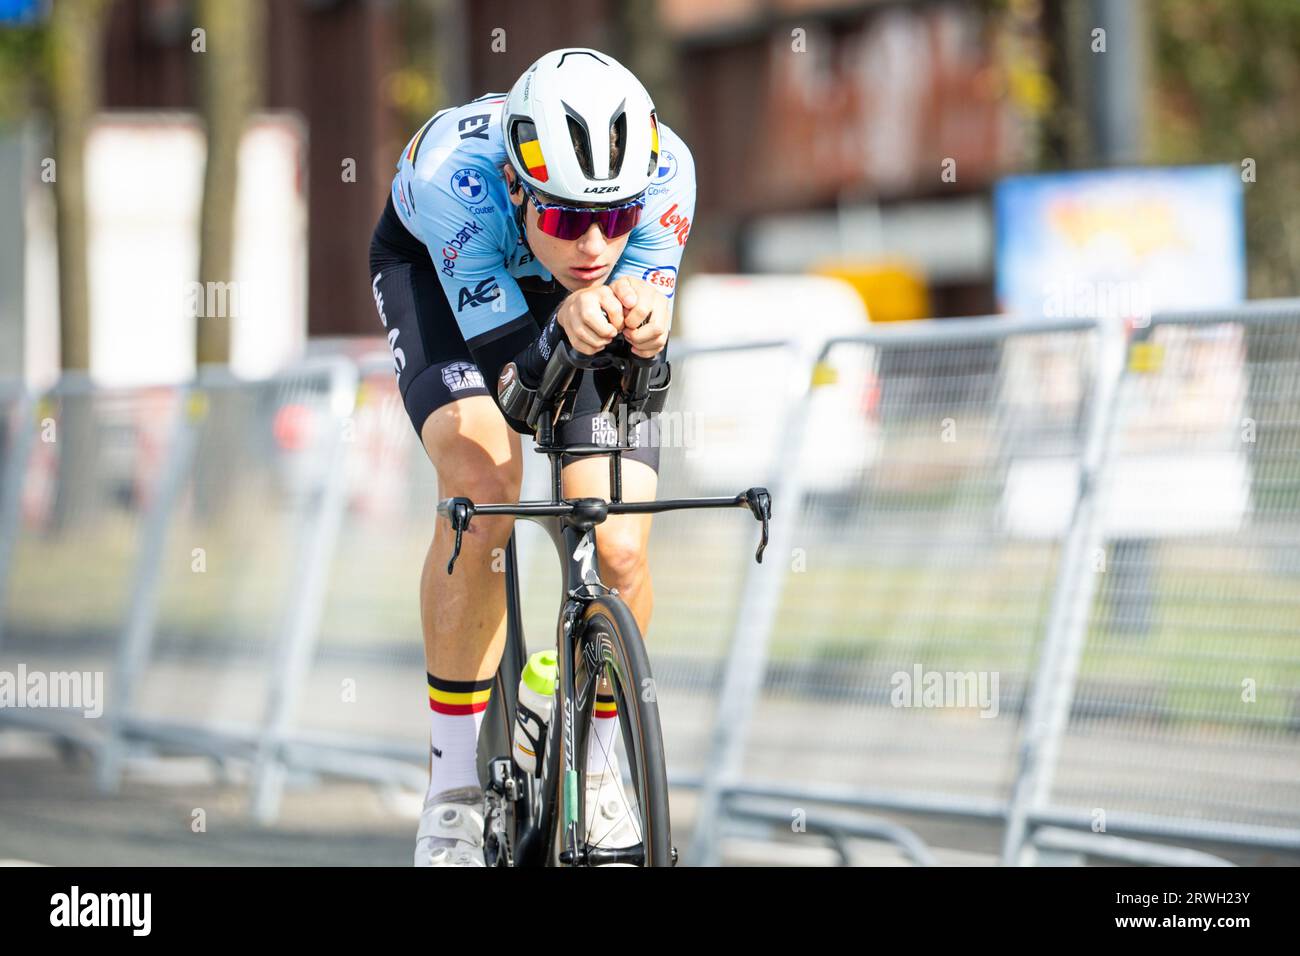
[(572, 222)]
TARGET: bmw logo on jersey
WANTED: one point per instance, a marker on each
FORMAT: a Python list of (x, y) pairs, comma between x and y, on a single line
[(664, 173), (468, 186)]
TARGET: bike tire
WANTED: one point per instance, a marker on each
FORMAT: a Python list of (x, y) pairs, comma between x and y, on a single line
[(609, 640)]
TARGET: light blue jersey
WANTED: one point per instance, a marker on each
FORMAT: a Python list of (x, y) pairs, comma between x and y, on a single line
[(450, 193)]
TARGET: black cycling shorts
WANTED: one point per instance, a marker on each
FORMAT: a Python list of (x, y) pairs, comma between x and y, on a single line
[(435, 366)]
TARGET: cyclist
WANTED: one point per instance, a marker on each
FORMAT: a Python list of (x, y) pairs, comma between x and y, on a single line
[(557, 212)]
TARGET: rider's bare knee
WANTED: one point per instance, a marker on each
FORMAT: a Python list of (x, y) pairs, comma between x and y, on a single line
[(622, 556)]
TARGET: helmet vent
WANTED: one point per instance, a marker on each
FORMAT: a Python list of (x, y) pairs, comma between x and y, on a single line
[(617, 137), (581, 144)]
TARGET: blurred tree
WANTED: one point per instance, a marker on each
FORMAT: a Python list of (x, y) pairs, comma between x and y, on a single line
[(414, 86), (644, 46), (22, 69), (230, 70), (75, 47), (1228, 81)]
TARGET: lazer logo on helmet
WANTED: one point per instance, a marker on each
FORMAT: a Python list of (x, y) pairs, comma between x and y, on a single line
[(451, 251), (482, 294), (601, 189)]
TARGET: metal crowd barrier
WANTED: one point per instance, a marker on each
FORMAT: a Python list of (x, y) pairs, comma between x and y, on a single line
[(1171, 708), (1107, 529), (907, 555), (228, 587), (79, 473)]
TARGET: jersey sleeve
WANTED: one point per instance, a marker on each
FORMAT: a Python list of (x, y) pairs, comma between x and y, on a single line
[(654, 252), (466, 252)]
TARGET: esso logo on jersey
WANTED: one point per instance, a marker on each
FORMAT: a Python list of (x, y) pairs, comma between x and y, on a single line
[(663, 278), (468, 185)]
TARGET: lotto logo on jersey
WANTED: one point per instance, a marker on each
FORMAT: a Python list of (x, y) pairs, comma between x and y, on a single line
[(663, 278), (677, 223), (468, 185)]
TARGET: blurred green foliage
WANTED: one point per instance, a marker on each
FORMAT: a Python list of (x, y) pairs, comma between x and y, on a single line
[(1227, 78), (22, 65)]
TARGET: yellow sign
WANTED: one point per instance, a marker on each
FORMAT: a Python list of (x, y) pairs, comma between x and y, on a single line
[(892, 291)]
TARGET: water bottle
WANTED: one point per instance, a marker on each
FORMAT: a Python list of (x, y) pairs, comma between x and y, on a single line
[(533, 713)]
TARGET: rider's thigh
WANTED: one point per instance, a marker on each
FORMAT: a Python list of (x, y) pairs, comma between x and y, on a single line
[(475, 453)]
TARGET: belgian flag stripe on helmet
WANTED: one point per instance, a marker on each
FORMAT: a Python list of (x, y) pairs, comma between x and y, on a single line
[(531, 153)]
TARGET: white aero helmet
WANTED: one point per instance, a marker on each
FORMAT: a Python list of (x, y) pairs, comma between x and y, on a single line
[(579, 127)]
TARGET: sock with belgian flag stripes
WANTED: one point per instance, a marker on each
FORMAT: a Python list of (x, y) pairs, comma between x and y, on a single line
[(456, 714), (604, 727)]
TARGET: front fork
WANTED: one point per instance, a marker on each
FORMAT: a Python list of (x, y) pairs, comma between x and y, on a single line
[(568, 789), (559, 760)]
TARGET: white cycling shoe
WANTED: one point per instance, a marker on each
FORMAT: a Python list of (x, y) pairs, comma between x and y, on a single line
[(609, 818), (451, 829)]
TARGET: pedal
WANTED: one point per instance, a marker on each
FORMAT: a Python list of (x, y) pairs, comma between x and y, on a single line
[(501, 789), (501, 779)]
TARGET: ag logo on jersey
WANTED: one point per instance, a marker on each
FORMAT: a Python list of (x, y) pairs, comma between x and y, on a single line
[(481, 294), (663, 278), (468, 186)]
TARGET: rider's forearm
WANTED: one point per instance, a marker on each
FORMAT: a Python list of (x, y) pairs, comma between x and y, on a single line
[(523, 346)]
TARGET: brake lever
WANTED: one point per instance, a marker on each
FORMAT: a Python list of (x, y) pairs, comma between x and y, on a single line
[(760, 505), (461, 511)]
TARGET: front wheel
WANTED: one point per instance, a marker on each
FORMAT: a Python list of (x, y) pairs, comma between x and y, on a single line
[(609, 646)]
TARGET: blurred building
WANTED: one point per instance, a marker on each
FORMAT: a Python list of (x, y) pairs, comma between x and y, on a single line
[(826, 134)]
